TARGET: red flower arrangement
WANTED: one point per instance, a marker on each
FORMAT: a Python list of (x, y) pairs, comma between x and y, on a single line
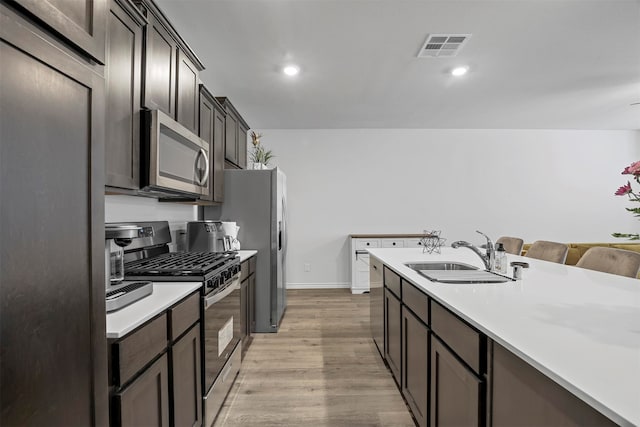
[(634, 170)]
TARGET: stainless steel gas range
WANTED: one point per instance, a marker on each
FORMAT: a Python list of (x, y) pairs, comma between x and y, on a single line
[(149, 259)]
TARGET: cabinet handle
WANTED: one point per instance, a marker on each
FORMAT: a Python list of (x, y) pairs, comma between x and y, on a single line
[(375, 267)]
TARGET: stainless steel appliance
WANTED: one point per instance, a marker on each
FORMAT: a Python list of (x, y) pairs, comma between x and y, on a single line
[(207, 236), (219, 272), (175, 160), (256, 200), (119, 293)]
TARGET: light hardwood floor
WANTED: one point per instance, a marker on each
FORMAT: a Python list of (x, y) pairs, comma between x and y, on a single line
[(320, 369)]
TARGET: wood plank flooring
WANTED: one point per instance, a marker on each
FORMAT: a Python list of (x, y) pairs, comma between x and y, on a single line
[(320, 369)]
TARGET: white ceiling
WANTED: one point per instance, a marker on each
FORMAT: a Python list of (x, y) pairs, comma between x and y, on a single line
[(534, 64)]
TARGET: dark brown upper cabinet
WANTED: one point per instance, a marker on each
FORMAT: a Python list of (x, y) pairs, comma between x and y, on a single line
[(235, 136), (82, 23), (212, 118), (123, 80), (171, 69)]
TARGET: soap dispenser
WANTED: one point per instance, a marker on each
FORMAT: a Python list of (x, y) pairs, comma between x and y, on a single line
[(500, 259)]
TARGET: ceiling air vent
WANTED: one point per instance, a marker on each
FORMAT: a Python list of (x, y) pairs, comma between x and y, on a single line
[(443, 45)]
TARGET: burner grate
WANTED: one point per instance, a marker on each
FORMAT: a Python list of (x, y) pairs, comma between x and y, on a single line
[(180, 263)]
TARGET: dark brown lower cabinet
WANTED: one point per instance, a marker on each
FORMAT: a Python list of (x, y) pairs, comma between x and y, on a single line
[(247, 302), (415, 359), (252, 304), (393, 333), (145, 402), (187, 384), (456, 392), (521, 395)]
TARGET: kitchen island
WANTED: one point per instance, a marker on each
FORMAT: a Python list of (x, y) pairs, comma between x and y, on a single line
[(579, 328)]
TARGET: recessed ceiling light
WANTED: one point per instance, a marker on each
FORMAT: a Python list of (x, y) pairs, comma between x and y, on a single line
[(291, 70), (459, 71)]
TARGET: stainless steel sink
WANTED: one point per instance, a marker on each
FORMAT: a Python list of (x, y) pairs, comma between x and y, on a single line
[(456, 272), (440, 266)]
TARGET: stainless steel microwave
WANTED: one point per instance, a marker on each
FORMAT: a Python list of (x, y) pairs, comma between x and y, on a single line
[(175, 160)]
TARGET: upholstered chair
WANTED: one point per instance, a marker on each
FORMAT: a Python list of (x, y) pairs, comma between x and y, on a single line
[(611, 260), (512, 245), (548, 251)]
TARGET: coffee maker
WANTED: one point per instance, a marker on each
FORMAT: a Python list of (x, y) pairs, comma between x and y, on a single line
[(207, 236), (120, 293)]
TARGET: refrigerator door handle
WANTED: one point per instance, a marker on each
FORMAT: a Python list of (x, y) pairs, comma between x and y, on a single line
[(279, 235)]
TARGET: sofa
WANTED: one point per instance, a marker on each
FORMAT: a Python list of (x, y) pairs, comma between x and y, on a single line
[(576, 250)]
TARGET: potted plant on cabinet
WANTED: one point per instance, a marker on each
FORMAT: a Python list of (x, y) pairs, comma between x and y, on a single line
[(259, 156)]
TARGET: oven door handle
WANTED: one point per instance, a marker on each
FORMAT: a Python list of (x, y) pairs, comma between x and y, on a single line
[(234, 285)]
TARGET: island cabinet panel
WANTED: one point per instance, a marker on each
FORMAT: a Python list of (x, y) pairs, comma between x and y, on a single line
[(393, 334), (186, 381), (457, 397), (146, 400), (415, 365), (53, 359), (520, 395), (123, 81), (82, 23), (392, 281)]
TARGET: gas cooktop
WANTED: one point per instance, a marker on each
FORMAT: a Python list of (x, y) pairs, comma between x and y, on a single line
[(182, 264)]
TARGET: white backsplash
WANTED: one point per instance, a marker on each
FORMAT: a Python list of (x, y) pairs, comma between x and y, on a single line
[(132, 208)]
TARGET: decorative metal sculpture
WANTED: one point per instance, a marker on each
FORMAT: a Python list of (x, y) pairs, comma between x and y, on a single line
[(431, 241)]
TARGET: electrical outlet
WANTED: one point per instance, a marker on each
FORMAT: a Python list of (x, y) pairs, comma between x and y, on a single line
[(307, 267)]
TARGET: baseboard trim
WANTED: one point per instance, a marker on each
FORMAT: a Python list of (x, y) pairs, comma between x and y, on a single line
[(318, 285)]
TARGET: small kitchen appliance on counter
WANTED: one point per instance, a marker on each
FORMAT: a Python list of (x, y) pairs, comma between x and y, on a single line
[(220, 308), (212, 236), (120, 293)]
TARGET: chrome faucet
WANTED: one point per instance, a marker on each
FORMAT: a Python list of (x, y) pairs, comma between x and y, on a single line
[(488, 258)]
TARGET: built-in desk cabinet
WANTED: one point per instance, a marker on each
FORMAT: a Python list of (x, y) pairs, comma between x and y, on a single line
[(155, 370)]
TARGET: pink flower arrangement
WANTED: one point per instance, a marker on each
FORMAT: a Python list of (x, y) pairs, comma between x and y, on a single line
[(633, 169)]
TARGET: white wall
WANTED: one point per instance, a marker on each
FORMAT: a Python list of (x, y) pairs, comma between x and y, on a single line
[(130, 208), (551, 185)]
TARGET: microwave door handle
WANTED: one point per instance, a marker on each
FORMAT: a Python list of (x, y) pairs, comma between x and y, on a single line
[(206, 167), (234, 285)]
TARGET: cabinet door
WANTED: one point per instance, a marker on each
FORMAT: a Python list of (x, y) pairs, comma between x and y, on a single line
[(206, 125), (393, 331), (252, 304), (231, 138), (217, 156), (242, 145), (160, 68), (187, 381), (52, 318), (80, 22), (146, 400), (523, 396), (244, 303), (415, 362), (455, 390), (187, 93), (123, 79), (376, 304)]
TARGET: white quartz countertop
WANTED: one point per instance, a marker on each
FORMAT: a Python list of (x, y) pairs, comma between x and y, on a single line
[(246, 254), (579, 327), (165, 294)]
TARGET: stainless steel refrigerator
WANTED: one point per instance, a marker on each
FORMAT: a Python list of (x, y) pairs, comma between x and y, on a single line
[(257, 201)]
